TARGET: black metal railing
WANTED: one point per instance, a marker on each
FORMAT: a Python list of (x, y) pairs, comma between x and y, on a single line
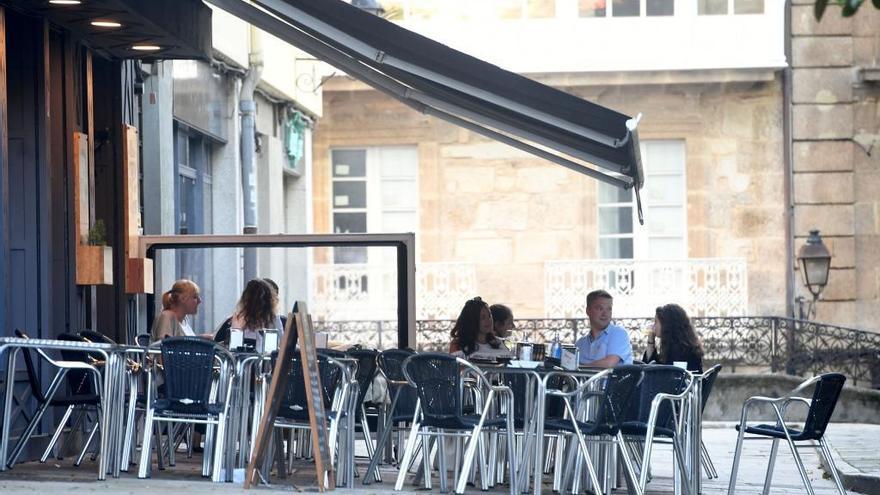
[(743, 343)]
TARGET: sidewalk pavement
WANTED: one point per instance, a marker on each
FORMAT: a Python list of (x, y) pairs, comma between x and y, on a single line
[(856, 452), (855, 444)]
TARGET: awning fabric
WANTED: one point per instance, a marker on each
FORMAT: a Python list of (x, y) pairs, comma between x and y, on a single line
[(435, 79)]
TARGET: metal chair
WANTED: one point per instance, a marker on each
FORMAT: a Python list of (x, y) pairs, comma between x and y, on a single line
[(438, 380), (190, 397), (403, 401), (84, 393), (659, 411), (366, 372), (618, 386), (821, 406), (708, 383)]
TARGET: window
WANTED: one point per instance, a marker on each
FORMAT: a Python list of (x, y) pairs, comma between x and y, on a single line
[(537, 9), (723, 7), (664, 202), (194, 209), (373, 190), (591, 8), (659, 7), (748, 6), (711, 7), (625, 8)]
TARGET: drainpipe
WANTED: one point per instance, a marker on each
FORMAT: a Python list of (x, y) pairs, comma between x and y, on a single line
[(788, 166), (248, 107)]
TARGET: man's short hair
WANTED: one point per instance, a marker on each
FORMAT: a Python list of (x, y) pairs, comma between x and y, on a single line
[(597, 294)]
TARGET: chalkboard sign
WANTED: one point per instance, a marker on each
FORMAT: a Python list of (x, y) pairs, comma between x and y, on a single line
[(317, 416), (315, 396)]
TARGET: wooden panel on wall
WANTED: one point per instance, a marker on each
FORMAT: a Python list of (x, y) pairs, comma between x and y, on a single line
[(94, 265), (139, 276), (131, 191), (80, 174)]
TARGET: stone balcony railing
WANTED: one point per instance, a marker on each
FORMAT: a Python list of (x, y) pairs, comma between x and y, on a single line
[(712, 286)]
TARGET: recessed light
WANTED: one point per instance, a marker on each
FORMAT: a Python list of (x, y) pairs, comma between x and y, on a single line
[(106, 24), (146, 48), (65, 2)]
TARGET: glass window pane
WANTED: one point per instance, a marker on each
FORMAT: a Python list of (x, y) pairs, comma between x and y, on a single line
[(344, 223), (664, 189), (663, 156), (354, 254), (625, 8), (349, 163), (660, 7), (208, 200), (399, 194), (540, 8), (613, 194), (616, 248), (615, 220), (711, 7), (350, 194), (399, 221), (591, 8), (399, 165), (665, 220), (187, 205), (748, 6), (508, 9), (666, 248)]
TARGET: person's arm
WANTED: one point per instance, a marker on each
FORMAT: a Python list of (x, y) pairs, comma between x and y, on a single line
[(608, 361)]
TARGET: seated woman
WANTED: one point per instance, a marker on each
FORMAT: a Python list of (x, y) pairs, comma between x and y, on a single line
[(502, 317), (678, 340), (256, 310), (472, 333), (182, 300)]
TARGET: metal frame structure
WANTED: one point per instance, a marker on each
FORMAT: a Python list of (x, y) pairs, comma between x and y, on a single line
[(404, 243)]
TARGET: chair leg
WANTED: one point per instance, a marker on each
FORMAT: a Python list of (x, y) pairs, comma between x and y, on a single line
[(632, 480), (826, 451), (218, 449), (441, 463), (368, 441), (731, 487), (88, 442), (774, 449), (144, 466), (407, 456), (57, 434), (707, 461), (800, 465)]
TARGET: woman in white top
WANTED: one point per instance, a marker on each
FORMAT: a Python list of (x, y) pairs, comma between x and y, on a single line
[(256, 310), (472, 333), (182, 300)]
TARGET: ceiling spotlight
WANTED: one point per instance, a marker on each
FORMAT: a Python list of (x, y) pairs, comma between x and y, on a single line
[(106, 24), (65, 2), (146, 48)]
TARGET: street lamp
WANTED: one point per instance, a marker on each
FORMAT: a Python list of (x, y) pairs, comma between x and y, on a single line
[(815, 262)]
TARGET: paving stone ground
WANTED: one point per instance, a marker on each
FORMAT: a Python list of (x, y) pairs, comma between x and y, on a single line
[(858, 443)]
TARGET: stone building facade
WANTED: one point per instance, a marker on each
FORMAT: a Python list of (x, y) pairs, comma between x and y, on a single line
[(836, 162)]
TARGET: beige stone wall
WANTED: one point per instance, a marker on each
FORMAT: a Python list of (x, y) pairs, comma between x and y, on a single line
[(487, 203), (836, 122)]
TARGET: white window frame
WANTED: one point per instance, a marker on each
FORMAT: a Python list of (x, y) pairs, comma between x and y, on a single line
[(641, 235)]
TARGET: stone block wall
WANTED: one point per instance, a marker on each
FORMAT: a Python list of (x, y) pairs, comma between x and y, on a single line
[(508, 212), (836, 132)]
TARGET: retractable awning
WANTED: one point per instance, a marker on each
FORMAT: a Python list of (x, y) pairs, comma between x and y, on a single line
[(437, 80)]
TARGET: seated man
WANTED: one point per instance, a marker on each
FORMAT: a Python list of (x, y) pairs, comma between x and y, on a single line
[(606, 345)]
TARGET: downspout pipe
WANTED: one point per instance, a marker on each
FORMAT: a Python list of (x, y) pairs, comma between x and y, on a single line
[(788, 165), (247, 109)]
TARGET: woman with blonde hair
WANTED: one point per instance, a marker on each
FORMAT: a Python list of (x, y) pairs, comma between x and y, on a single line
[(181, 300)]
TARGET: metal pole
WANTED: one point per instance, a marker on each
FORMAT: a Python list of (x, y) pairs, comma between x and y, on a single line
[(248, 108)]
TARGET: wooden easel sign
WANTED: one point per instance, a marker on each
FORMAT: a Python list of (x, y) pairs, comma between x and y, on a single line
[(304, 334)]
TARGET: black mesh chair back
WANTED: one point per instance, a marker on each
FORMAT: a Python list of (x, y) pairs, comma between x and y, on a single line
[(33, 376), (391, 363), (437, 379), (79, 382), (222, 334), (708, 383), (657, 379), (294, 403), (620, 388), (825, 396), (366, 359), (189, 372), (95, 337)]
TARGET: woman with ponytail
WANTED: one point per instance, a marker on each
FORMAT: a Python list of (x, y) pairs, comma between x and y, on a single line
[(183, 299)]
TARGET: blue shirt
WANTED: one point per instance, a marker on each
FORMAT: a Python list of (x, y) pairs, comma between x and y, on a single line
[(614, 340)]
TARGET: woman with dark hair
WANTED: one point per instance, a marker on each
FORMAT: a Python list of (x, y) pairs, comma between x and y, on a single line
[(256, 309), (678, 340), (472, 332)]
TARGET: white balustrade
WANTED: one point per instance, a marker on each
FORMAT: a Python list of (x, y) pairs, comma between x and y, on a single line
[(704, 287)]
